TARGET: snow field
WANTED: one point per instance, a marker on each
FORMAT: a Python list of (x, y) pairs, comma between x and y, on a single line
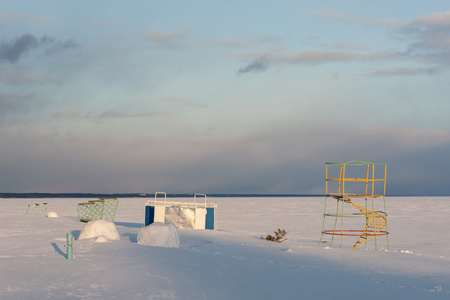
[(229, 262)]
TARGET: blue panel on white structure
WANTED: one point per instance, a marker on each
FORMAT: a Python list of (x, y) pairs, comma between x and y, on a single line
[(209, 224), (149, 215)]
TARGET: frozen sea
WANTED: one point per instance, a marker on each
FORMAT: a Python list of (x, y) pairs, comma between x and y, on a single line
[(230, 262)]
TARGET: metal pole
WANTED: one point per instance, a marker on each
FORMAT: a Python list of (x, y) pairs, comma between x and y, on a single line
[(373, 206), (69, 246), (323, 224), (385, 210)]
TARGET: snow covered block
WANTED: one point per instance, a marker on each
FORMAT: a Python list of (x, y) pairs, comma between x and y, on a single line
[(98, 228), (180, 217), (159, 234), (52, 214)]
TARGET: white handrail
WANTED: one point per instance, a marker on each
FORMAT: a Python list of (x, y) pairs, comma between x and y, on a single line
[(195, 198), (165, 197)]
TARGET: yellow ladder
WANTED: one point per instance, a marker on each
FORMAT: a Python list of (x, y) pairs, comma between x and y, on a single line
[(375, 222)]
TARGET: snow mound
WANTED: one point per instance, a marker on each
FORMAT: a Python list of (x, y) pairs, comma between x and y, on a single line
[(159, 234), (99, 228), (101, 239), (52, 214)]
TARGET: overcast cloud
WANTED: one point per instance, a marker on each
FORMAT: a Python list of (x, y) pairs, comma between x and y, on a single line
[(11, 51), (121, 98)]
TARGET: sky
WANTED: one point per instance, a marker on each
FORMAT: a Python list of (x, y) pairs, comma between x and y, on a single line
[(222, 96)]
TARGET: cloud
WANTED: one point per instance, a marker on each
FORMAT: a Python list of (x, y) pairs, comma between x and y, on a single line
[(318, 57), (268, 39), (258, 65), (282, 161), (261, 63), (345, 46), (11, 51), (337, 15), (352, 18), (59, 46), (74, 115), (430, 35), (185, 102), (14, 78), (17, 104), (118, 115), (20, 17), (177, 40), (166, 39), (234, 43), (163, 36), (406, 71), (434, 19), (239, 43), (427, 42), (385, 22)]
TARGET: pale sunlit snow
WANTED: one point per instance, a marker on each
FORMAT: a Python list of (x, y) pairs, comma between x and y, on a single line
[(231, 262)]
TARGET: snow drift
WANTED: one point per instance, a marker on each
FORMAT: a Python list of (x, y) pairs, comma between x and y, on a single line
[(98, 228), (159, 234), (52, 214)]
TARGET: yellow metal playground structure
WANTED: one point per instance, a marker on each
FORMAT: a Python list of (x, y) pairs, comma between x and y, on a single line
[(353, 185)]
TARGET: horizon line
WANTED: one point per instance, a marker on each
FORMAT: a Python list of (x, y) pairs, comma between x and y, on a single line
[(174, 195)]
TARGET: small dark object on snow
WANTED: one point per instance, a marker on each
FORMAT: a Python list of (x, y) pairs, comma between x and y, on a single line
[(277, 238)]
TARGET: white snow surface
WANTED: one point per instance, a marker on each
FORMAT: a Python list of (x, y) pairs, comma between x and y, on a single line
[(159, 234), (99, 228), (231, 262)]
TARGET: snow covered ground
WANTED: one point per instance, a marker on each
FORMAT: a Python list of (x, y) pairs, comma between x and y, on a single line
[(231, 262)]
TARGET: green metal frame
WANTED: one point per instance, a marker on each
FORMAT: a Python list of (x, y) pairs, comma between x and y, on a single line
[(36, 209), (101, 209), (367, 193)]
